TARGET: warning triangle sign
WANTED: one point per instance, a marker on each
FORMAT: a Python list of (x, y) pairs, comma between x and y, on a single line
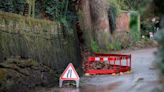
[(69, 73)]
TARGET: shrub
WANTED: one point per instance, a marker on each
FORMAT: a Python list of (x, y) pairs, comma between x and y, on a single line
[(94, 46), (134, 26), (123, 38), (146, 27), (160, 54)]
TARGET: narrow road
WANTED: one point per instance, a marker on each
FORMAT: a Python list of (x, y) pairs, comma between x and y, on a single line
[(143, 78)]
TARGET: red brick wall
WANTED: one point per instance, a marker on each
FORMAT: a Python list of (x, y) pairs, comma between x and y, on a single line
[(122, 22)]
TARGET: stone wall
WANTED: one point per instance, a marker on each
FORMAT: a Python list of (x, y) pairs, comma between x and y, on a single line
[(34, 52)]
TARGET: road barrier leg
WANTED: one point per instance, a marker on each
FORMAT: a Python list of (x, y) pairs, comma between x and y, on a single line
[(114, 64), (77, 83), (130, 62), (60, 83), (120, 62)]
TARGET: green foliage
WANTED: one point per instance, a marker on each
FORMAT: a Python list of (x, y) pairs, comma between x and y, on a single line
[(15, 6), (137, 5), (115, 45), (135, 36), (25, 22), (57, 9), (54, 9), (134, 21), (146, 27), (121, 40), (94, 46), (117, 4), (113, 11), (49, 9), (134, 26), (124, 40), (160, 56)]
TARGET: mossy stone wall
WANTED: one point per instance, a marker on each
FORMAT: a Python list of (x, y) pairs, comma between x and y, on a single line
[(45, 41)]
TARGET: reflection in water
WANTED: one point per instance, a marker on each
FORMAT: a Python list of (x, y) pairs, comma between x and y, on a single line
[(100, 88), (68, 90)]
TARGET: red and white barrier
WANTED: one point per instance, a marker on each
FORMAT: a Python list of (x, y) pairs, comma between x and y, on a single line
[(118, 62)]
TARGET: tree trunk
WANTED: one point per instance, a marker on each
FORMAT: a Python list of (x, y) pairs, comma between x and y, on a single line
[(85, 22), (100, 23)]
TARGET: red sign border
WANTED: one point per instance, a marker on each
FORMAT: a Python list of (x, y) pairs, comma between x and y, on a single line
[(69, 65)]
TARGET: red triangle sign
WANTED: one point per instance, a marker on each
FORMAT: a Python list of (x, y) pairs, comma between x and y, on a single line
[(69, 73)]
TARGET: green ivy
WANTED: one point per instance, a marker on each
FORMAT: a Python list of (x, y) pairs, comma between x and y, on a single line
[(14, 6)]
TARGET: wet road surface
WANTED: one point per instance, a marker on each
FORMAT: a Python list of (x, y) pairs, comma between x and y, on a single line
[(143, 78)]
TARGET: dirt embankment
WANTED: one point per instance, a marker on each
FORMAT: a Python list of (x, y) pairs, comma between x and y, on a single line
[(18, 75)]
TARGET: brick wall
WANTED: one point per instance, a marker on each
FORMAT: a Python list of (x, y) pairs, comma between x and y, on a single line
[(122, 21)]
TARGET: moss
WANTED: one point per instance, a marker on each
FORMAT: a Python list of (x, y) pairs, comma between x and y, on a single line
[(2, 74), (40, 40), (16, 17), (26, 22), (22, 63)]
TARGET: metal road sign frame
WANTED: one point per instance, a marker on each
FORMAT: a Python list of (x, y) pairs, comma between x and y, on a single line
[(77, 79)]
